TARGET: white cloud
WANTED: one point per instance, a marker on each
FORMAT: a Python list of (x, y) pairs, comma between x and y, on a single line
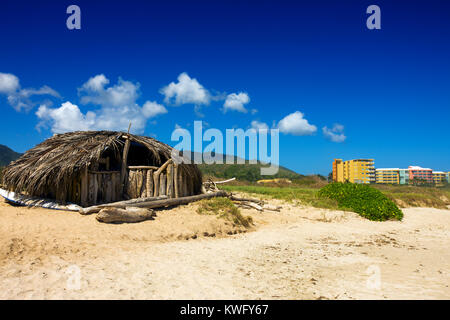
[(254, 111), (45, 90), (8, 83), (186, 91), (236, 102), (20, 99), (68, 117), (295, 124), (96, 83), (335, 134), (259, 125), (118, 109), (152, 109), (122, 93)]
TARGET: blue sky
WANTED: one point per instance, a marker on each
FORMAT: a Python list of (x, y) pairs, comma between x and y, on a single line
[(388, 89)]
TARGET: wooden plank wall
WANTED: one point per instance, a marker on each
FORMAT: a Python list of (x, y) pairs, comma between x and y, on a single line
[(96, 187), (103, 187), (141, 182)]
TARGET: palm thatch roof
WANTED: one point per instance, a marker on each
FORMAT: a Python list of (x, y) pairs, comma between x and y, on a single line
[(54, 162)]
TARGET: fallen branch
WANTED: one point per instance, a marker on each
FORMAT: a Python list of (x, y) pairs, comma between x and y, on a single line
[(271, 208), (224, 181), (119, 204), (253, 205), (234, 198), (179, 201)]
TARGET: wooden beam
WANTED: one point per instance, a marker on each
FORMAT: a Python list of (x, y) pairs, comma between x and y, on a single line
[(162, 184), (102, 172), (169, 176), (84, 186), (143, 167), (156, 182), (123, 171), (119, 204), (149, 183), (175, 180), (179, 201)]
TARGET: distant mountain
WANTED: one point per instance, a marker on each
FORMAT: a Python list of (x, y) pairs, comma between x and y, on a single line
[(248, 172), (7, 155)]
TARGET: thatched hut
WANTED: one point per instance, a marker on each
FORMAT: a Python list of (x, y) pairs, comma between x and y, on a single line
[(94, 167)]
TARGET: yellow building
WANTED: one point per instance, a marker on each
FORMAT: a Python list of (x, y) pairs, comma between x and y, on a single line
[(338, 170), (388, 175), (439, 178), (355, 171)]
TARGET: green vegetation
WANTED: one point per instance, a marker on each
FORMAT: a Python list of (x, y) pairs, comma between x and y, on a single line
[(307, 196), (7, 155), (415, 196), (225, 209), (247, 172), (365, 200)]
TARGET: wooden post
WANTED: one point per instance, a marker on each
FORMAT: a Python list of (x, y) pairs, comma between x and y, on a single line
[(131, 185), (139, 183), (107, 188), (155, 184), (175, 180), (182, 182), (149, 183), (162, 184), (84, 187), (123, 171), (93, 189), (156, 177), (169, 192)]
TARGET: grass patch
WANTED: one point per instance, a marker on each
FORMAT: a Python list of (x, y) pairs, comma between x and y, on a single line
[(308, 196), (403, 196), (224, 208), (365, 200), (415, 196)]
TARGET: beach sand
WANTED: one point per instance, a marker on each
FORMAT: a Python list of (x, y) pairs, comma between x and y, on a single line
[(298, 253)]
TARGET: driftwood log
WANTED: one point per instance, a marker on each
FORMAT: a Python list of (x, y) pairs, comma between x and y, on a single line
[(178, 201), (250, 205), (234, 198), (129, 214), (119, 204)]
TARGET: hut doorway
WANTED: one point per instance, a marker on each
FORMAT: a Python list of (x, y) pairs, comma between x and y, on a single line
[(148, 176)]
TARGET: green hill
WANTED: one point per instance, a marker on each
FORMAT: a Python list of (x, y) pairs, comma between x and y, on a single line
[(7, 155), (248, 172)]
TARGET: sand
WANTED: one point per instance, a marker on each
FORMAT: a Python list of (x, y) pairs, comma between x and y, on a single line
[(298, 253)]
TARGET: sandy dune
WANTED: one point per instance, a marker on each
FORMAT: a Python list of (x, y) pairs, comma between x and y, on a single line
[(299, 253)]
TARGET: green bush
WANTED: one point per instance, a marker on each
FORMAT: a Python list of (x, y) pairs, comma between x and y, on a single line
[(368, 202), (224, 208)]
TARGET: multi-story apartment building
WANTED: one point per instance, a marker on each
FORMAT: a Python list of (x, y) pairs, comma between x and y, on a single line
[(404, 176), (387, 175), (439, 177), (392, 176), (355, 171), (338, 170), (363, 171), (420, 175)]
